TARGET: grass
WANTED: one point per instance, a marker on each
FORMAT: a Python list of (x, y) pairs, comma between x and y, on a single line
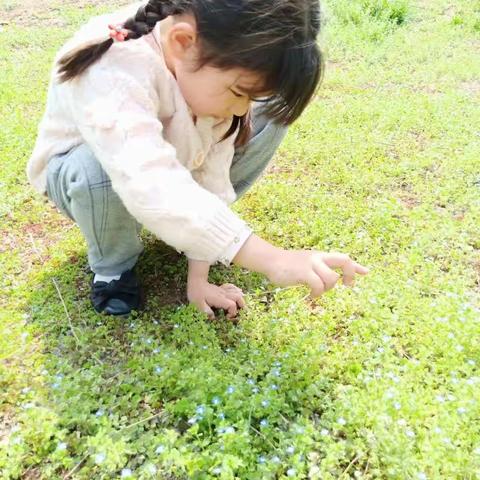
[(378, 382)]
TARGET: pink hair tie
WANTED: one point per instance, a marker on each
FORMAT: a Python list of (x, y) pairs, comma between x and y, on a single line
[(118, 33)]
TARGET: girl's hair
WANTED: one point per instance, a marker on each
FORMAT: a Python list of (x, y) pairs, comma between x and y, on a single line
[(276, 39)]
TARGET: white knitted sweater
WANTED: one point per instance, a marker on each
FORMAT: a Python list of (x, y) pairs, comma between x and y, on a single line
[(170, 172)]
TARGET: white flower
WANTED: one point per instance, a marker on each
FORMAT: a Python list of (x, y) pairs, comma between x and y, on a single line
[(290, 450), (217, 471), (229, 430), (255, 390), (126, 473), (459, 348), (176, 325), (265, 403), (160, 449), (216, 400), (156, 350), (158, 369), (148, 341), (230, 389), (100, 458), (261, 459), (421, 476), (221, 415), (62, 446), (274, 387), (291, 472), (341, 421), (397, 406), (461, 410), (471, 362), (251, 381), (263, 422), (402, 422), (410, 433), (275, 459), (151, 469), (324, 432), (99, 412), (200, 409), (440, 398), (204, 347), (380, 349), (192, 420)]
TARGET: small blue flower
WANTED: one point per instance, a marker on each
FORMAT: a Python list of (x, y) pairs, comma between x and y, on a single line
[(221, 415), (341, 421), (274, 387), (62, 446), (217, 471), (461, 410), (148, 341), (255, 390), (290, 450), (291, 472), (158, 369), (216, 400), (265, 403), (275, 459), (261, 459), (200, 410), (263, 423), (276, 373), (126, 473), (160, 449), (324, 432), (230, 389), (156, 350), (100, 458), (277, 364), (251, 381), (99, 412)]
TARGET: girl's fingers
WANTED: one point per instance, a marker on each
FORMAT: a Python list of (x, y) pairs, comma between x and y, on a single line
[(348, 266), (361, 269), (316, 285), (206, 308), (328, 276)]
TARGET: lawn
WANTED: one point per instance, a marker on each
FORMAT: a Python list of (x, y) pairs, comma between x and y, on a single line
[(376, 382)]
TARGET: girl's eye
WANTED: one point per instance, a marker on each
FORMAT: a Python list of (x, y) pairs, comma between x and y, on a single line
[(236, 93)]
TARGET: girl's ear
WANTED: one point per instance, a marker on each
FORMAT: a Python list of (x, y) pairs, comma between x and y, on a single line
[(182, 39)]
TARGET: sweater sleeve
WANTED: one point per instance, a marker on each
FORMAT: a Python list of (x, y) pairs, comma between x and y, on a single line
[(116, 115)]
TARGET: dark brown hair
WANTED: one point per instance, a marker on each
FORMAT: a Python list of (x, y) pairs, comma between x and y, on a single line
[(276, 39)]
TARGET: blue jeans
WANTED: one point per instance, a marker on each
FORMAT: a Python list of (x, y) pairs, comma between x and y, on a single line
[(81, 189)]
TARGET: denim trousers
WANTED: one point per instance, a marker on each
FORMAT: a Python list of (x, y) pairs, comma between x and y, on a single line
[(80, 188)]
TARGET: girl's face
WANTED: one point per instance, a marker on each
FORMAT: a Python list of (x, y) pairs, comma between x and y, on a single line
[(217, 93), (208, 91)]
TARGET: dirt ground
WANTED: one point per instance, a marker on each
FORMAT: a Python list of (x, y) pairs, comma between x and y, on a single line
[(34, 12)]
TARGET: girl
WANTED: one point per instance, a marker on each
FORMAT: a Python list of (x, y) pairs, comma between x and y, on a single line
[(160, 115)]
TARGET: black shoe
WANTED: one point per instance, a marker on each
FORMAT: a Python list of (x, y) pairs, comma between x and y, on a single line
[(117, 297)]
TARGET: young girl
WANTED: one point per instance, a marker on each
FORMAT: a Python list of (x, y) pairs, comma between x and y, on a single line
[(160, 115)]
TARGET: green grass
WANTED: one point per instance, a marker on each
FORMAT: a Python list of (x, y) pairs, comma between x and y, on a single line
[(378, 382)]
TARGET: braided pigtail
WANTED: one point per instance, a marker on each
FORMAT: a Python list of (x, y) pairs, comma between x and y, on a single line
[(142, 23)]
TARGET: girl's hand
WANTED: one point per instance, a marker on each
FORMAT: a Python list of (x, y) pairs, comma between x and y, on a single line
[(206, 296), (314, 269)]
